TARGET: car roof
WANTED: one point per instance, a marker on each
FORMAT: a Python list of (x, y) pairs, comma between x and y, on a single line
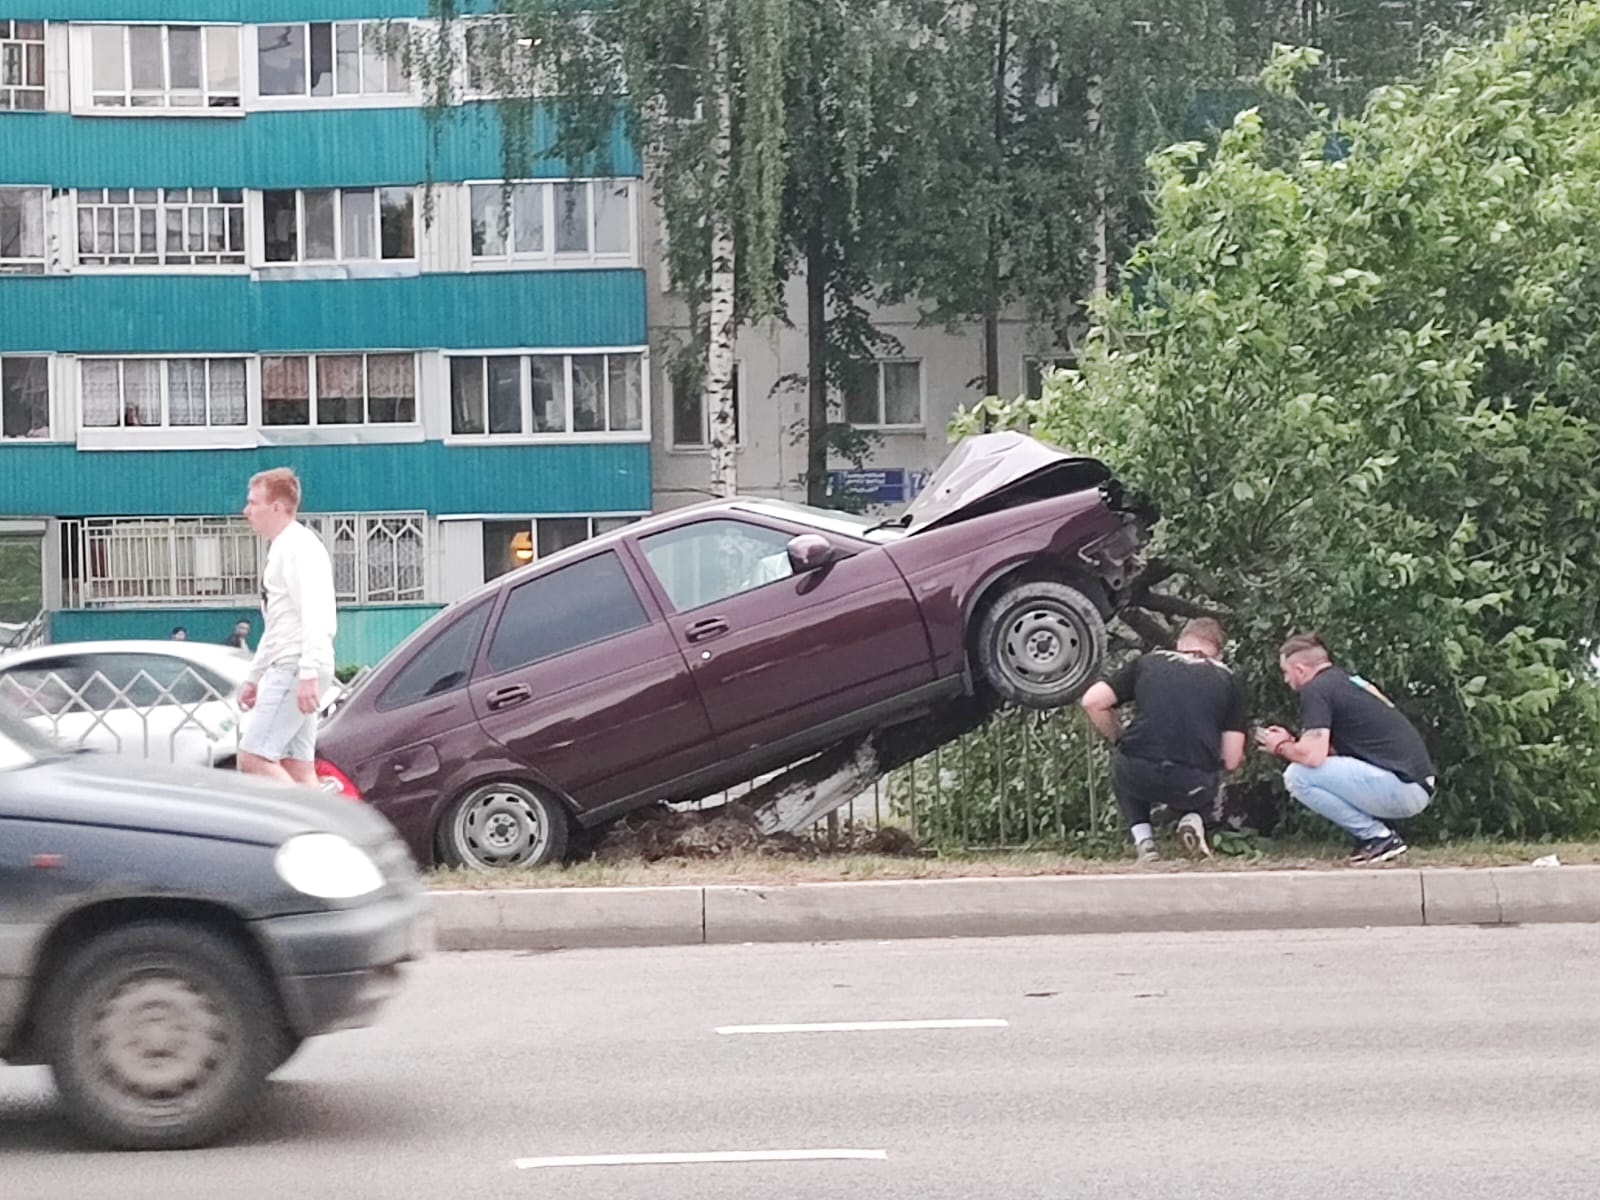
[(223, 659)]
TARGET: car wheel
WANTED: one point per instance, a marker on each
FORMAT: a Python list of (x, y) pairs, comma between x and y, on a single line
[(159, 1035), (1040, 644), (501, 825)]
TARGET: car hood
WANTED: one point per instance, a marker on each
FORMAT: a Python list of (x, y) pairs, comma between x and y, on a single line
[(90, 788), (987, 466)]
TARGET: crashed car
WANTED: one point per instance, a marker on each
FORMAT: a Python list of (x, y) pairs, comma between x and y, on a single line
[(706, 646)]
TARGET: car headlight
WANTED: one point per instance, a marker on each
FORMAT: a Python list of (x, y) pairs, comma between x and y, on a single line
[(327, 866)]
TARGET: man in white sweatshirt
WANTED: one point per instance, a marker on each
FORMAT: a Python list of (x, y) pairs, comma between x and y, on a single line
[(293, 663)]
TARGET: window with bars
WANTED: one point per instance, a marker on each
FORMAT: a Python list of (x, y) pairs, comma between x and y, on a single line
[(315, 390), (378, 558), (171, 68), (339, 225), (171, 393), (172, 227), (21, 65), (514, 395), (552, 223), (22, 238)]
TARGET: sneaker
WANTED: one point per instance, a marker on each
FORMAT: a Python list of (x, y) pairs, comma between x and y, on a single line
[(1147, 851), (1378, 849), (1192, 833)]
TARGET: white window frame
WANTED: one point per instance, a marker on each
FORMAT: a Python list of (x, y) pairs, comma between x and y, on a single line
[(531, 522), (14, 48), (85, 94), (548, 257), (312, 396), (166, 424), (466, 86), (27, 264), (230, 261), (567, 434), (256, 214), (1044, 362), (882, 424), (330, 527), (49, 398), (677, 444), (363, 98)]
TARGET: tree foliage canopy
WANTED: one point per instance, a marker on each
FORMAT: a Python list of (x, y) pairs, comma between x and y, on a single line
[(1362, 384)]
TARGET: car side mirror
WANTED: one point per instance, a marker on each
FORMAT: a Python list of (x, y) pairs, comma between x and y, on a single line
[(809, 552)]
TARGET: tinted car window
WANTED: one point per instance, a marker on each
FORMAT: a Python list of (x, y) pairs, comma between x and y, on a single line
[(46, 688), (711, 560), (575, 606), (440, 666)]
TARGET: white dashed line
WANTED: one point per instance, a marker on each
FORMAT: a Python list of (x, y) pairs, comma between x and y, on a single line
[(713, 1156), (867, 1026)]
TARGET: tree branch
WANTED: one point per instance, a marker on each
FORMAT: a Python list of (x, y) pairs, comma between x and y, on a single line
[(1151, 631), (1177, 606)]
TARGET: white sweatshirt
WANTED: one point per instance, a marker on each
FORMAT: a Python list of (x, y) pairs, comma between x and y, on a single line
[(297, 600)]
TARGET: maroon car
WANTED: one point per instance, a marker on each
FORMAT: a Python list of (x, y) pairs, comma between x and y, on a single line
[(702, 647)]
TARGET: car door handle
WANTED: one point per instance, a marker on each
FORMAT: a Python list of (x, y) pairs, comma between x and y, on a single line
[(508, 697), (704, 631)]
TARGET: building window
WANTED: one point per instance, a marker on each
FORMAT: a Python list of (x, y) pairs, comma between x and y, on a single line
[(522, 394), (170, 227), (885, 394), (552, 223), (502, 60), (319, 390), (22, 240), (24, 397), (327, 225), (164, 67), (508, 545), (378, 558), (164, 393), (22, 65), (691, 420), (333, 58), (1034, 368)]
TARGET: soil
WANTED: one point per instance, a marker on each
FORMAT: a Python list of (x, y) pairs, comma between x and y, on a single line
[(658, 833)]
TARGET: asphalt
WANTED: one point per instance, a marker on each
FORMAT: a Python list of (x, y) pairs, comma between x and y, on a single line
[(1382, 1064), (1201, 901)]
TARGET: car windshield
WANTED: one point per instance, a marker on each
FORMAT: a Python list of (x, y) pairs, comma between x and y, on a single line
[(828, 519)]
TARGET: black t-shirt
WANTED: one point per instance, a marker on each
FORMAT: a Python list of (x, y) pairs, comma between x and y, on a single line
[(1363, 723), (1183, 705)]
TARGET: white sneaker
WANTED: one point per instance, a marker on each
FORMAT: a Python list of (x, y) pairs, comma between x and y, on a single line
[(1192, 833)]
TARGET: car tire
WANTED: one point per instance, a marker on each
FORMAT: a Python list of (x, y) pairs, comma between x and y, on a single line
[(1040, 644), (160, 1035), (502, 825)]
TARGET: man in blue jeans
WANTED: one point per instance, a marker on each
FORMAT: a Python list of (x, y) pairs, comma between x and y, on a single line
[(1357, 760)]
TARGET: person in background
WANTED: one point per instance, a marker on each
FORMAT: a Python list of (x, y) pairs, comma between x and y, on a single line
[(1187, 729), (179, 634), (239, 639)]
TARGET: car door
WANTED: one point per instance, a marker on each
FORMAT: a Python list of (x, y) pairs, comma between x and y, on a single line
[(584, 683), (777, 655)]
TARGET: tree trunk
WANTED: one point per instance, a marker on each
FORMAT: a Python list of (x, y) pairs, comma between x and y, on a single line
[(816, 368), (719, 344), (991, 283), (1102, 220)]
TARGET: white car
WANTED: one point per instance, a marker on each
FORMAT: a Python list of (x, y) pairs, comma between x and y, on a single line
[(173, 701)]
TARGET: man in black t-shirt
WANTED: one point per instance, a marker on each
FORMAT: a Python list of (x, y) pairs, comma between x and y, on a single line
[(1357, 760), (1187, 728)]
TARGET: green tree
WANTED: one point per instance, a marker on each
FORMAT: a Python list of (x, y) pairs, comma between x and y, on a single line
[(1362, 387)]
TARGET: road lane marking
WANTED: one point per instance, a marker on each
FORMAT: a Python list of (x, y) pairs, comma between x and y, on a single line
[(712, 1156), (867, 1026)]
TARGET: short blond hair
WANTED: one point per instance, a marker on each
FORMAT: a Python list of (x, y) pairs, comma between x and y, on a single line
[(279, 485)]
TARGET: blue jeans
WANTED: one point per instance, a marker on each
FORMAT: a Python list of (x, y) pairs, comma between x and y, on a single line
[(1354, 794)]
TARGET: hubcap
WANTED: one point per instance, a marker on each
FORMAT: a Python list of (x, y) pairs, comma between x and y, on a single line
[(1042, 645), (158, 1037), (501, 828)]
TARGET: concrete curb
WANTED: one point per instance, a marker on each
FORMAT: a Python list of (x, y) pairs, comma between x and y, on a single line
[(553, 918)]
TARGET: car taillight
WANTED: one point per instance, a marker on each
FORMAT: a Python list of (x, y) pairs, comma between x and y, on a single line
[(336, 781)]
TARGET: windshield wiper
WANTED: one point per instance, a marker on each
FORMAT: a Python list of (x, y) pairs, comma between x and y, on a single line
[(899, 522)]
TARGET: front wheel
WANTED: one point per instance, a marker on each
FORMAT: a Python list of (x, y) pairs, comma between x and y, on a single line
[(503, 825), (159, 1034), (1040, 644)]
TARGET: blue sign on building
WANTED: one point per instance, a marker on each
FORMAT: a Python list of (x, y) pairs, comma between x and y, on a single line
[(884, 486)]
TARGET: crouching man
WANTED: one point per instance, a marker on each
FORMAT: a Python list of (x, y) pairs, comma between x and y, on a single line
[(1357, 761)]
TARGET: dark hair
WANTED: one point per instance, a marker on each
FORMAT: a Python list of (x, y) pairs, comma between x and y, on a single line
[(177, 629), (1204, 629), (1304, 643)]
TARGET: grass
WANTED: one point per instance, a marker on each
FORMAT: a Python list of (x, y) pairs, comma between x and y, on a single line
[(758, 869)]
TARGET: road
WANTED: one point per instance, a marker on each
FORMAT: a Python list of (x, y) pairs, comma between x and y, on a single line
[(1457, 1062)]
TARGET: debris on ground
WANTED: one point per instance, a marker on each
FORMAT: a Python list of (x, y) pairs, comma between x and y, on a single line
[(1549, 860), (661, 832)]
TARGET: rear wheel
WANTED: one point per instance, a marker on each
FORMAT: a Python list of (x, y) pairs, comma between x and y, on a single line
[(1040, 644), (502, 825)]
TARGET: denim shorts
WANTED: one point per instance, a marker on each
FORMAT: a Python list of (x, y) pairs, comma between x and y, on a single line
[(276, 729)]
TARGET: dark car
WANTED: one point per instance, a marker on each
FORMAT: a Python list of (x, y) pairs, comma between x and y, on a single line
[(705, 646), (170, 935)]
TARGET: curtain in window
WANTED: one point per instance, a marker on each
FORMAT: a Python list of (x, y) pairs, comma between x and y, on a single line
[(285, 390), (588, 392), (340, 394), (227, 391), (141, 391), (626, 390), (102, 393), (391, 388), (186, 402)]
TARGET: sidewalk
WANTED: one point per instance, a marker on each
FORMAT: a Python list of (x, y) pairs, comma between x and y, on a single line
[(553, 918)]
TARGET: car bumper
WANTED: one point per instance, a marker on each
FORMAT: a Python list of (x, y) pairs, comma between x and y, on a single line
[(336, 969)]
